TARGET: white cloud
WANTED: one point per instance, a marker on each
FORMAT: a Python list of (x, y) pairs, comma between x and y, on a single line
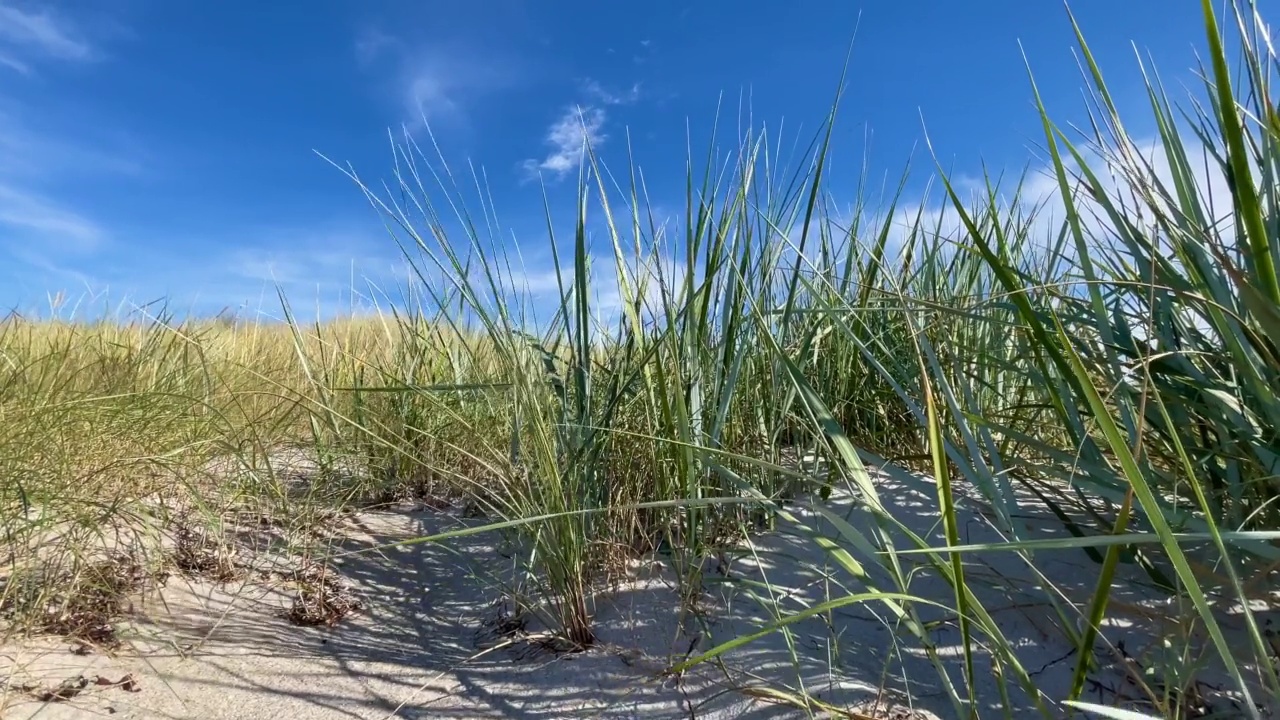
[(43, 33), (15, 65), (323, 272), (580, 125), (425, 83), (371, 43), (538, 281), (537, 289), (33, 153), (27, 216), (648, 279), (609, 97), (327, 254), (1141, 166), (431, 79), (32, 159), (429, 93), (33, 165), (293, 267), (568, 137)]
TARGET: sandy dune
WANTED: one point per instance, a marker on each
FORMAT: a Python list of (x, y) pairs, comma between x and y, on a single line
[(427, 644)]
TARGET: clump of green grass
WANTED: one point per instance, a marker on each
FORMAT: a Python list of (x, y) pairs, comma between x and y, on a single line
[(1112, 364)]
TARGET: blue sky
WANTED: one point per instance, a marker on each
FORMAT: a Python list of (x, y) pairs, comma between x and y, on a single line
[(156, 149)]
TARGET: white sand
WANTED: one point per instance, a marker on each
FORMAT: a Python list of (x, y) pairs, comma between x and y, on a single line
[(424, 646)]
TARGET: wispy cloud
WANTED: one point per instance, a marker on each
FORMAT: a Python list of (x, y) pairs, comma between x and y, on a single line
[(580, 125), (27, 217), (34, 165), (36, 159), (293, 268), (15, 65), (1136, 180), (372, 43), (42, 33), (36, 154), (323, 271), (429, 94), (568, 138), (537, 288), (611, 97), (431, 80)]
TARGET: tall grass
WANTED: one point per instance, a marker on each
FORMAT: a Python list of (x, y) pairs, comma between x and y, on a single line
[(1105, 353), (1113, 363)]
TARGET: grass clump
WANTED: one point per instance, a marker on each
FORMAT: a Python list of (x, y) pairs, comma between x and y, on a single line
[(81, 603), (323, 597), (197, 553)]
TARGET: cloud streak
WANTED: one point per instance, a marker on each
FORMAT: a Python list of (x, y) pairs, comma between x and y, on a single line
[(42, 33), (323, 272), (15, 65), (430, 80), (610, 97), (31, 160), (26, 217)]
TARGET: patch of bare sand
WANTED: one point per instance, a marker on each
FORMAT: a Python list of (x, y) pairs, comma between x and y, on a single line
[(418, 649), (858, 650), (427, 643)]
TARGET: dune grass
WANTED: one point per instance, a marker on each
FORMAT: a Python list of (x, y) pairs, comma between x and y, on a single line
[(1106, 352)]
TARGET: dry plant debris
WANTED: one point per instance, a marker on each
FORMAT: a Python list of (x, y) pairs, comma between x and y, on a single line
[(323, 598), (84, 604), (197, 554), (70, 688)]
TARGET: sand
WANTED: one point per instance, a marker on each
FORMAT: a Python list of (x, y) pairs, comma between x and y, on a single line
[(428, 642)]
